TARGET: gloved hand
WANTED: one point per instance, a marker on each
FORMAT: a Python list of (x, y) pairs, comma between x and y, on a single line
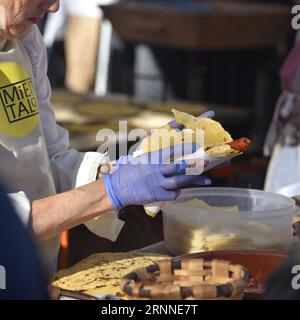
[(142, 181)]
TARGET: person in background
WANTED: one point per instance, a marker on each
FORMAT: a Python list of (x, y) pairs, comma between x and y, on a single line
[(42, 172), (21, 273), (283, 144), (283, 138)]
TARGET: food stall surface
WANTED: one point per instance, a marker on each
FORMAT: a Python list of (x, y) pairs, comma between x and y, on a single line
[(85, 116)]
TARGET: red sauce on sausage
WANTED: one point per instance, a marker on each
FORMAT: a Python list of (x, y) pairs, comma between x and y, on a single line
[(241, 144)]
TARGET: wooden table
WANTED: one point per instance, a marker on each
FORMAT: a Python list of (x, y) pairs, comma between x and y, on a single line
[(230, 25)]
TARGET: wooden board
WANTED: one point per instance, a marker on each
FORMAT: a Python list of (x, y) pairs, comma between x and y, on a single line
[(229, 26)]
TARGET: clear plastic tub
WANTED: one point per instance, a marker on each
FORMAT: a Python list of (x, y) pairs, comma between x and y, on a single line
[(241, 219)]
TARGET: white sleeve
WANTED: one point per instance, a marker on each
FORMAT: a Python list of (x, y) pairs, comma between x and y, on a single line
[(22, 206), (65, 161)]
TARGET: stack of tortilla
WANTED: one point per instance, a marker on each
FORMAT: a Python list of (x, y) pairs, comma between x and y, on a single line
[(102, 273)]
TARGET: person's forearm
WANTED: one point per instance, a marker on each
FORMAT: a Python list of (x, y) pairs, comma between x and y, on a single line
[(53, 215)]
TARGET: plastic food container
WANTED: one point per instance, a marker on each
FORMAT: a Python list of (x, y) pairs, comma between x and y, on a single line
[(227, 219)]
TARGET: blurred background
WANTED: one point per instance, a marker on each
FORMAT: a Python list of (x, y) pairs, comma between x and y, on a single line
[(136, 60)]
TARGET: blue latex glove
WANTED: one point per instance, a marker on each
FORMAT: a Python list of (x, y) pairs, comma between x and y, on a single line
[(137, 183), (174, 125)]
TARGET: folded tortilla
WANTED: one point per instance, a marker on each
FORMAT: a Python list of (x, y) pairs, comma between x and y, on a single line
[(216, 139), (214, 133)]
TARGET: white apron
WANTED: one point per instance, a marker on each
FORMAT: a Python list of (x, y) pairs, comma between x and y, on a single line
[(24, 159)]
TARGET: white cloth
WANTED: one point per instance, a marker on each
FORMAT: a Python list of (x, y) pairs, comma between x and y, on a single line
[(284, 168), (36, 158), (107, 225), (21, 204)]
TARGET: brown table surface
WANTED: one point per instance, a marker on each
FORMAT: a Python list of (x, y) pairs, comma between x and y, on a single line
[(232, 25)]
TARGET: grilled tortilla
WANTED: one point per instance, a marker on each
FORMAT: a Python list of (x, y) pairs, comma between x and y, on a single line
[(214, 133), (217, 141), (102, 273)]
